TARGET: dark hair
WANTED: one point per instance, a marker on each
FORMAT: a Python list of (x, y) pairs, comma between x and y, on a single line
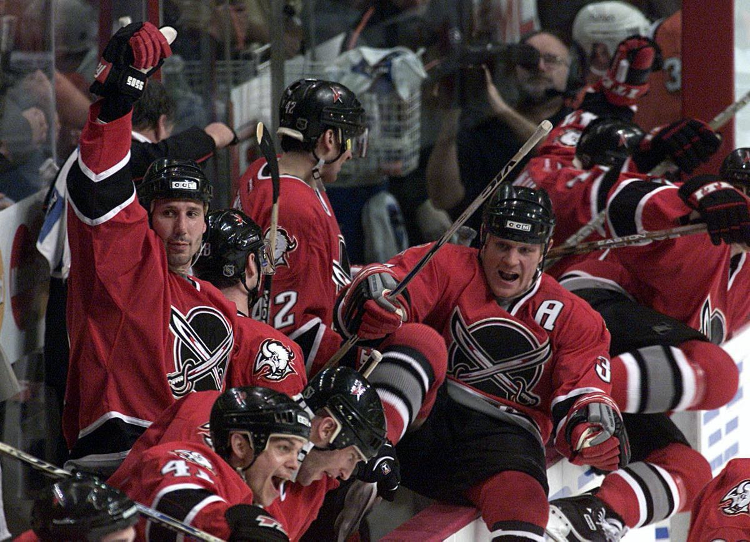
[(154, 102)]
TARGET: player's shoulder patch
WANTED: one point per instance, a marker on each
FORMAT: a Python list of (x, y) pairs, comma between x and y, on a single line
[(274, 360), (194, 457)]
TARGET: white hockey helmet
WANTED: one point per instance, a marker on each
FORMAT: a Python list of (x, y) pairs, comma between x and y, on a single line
[(608, 23)]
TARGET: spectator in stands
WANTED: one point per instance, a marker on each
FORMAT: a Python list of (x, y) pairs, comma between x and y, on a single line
[(460, 167)]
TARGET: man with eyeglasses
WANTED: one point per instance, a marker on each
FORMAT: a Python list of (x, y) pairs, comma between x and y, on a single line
[(459, 168)]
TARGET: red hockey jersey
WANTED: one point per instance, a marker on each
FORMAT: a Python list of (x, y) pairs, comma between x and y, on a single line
[(187, 481), (310, 254), (530, 360), (688, 278), (721, 512), (140, 335), (301, 505)]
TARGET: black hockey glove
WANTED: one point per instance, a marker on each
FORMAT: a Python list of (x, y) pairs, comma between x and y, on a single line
[(721, 206), (688, 142), (383, 469), (364, 309), (134, 53), (253, 523)]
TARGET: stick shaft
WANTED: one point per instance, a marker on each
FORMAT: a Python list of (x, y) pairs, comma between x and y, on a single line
[(267, 149), (152, 514), (625, 241)]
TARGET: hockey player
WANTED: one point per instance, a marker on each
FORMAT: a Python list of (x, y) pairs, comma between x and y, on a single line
[(256, 435), (665, 340), (136, 319), (321, 124), (235, 259), (348, 425), (81, 508), (721, 511), (526, 360)]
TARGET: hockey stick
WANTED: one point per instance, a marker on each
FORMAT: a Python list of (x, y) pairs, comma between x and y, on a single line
[(541, 131), (268, 151), (153, 514), (717, 122), (625, 241)]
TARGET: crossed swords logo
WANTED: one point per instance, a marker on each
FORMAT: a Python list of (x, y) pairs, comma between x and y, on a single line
[(480, 366), (206, 361)]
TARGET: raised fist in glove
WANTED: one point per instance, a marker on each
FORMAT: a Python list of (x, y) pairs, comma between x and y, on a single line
[(366, 310), (253, 523), (687, 142), (723, 208), (383, 469), (626, 79), (131, 56), (594, 434)]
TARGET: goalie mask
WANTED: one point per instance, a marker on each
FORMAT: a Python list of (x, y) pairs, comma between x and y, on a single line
[(608, 23), (81, 508), (232, 236), (309, 107), (258, 412), (354, 404)]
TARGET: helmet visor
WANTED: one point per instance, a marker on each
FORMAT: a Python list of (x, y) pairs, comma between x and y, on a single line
[(357, 144)]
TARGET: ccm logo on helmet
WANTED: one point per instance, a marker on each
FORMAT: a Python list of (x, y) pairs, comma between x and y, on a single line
[(518, 226), (190, 185)]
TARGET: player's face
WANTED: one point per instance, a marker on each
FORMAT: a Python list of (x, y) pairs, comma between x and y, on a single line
[(273, 468), (552, 71), (126, 534), (337, 463), (180, 225), (509, 266)]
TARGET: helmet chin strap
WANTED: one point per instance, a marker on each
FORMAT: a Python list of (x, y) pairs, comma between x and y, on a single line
[(321, 161)]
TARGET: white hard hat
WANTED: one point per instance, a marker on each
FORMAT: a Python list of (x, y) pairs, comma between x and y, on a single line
[(608, 23)]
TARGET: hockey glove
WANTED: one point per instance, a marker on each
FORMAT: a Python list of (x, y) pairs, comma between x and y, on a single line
[(365, 310), (253, 523), (688, 142), (721, 206), (594, 434), (134, 53), (629, 70), (383, 469)]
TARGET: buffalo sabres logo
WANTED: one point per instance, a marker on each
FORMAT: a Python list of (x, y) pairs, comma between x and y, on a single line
[(285, 244), (569, 138), (713, 323), (194, 457), (203, 340), (274, 360), (737, 500), (498, 356)]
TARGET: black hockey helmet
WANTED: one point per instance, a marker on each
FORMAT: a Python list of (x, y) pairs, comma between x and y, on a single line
[(81, 508), (169, 178), (607, 141), (232, 236), (736, 167), (519, 214), (309, 107), (354, 404), (259, 412)]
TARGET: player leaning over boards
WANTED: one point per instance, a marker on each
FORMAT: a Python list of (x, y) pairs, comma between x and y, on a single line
[(526, 360)]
